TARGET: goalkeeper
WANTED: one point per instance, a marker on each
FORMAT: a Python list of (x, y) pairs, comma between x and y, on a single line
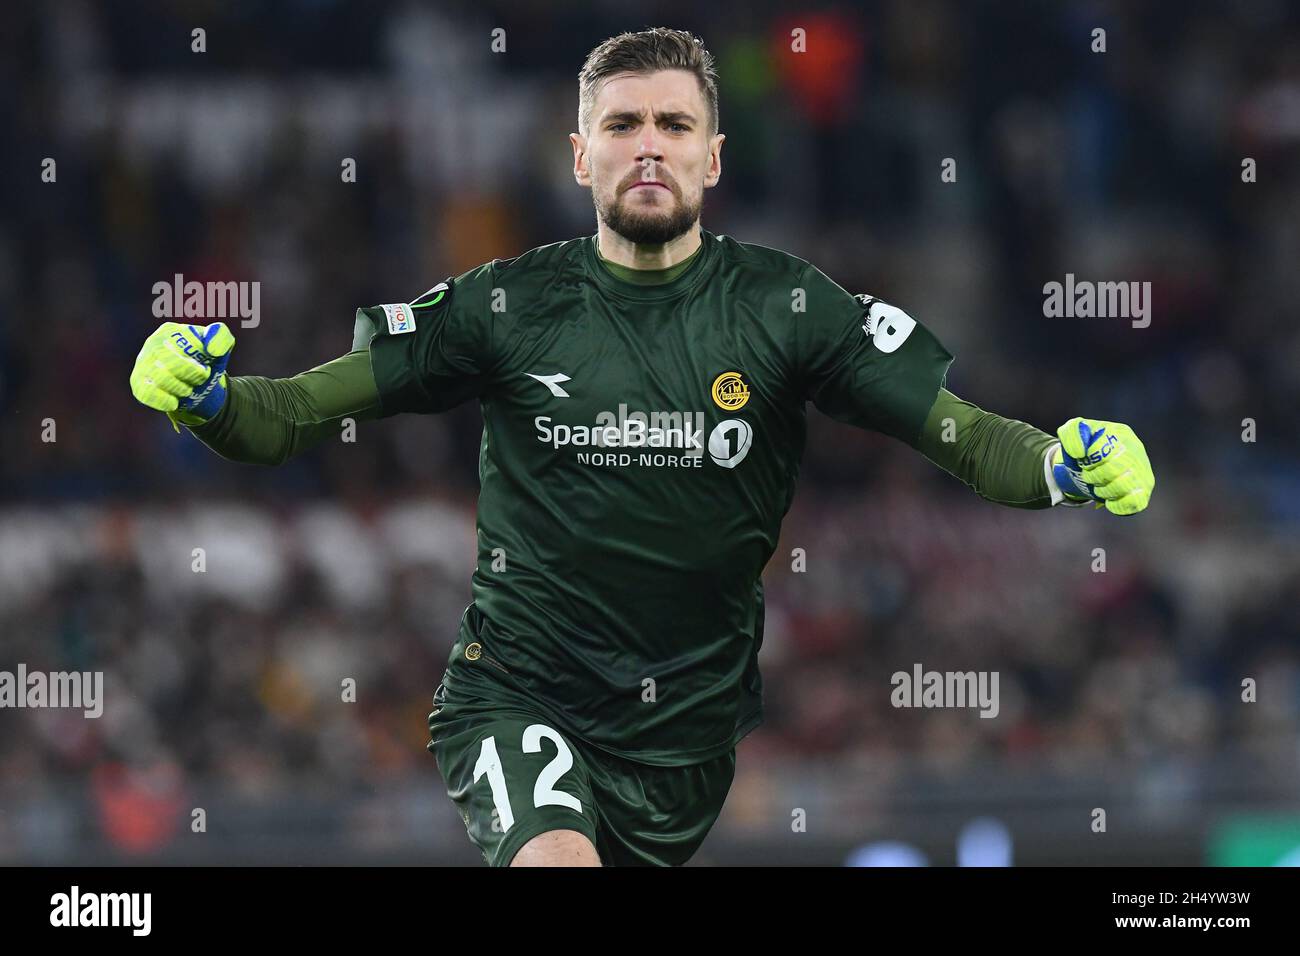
[(644, 394)]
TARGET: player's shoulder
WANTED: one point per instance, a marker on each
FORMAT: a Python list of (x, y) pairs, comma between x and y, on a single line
[(541, 260), (465, 293), (769, 269), (763, 262)]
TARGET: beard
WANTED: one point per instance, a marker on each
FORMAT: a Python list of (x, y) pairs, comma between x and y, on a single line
[(649, 225)]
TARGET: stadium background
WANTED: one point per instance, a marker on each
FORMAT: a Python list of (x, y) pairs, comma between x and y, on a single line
[(1120, 690)]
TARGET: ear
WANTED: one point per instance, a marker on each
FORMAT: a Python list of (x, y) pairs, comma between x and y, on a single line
[(714, 172), (581, 171)]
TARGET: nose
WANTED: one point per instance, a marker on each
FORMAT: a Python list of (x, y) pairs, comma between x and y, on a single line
[(648, 148)]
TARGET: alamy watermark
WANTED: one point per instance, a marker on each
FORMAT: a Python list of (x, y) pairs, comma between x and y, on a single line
[(922, 688), (179, 299), (75, 689), (129, 910), (1101, 300)]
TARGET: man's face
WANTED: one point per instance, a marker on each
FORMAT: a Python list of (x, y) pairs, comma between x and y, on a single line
[(648, 155)]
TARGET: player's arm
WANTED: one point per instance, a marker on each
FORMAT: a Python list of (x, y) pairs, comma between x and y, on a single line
[(1013, 463), (868, 363), (1001, 459), (181, 370), (267, 421), (428, 355)]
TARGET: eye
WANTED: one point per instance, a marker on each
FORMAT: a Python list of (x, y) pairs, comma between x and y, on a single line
[(684, 129), (614, 127)]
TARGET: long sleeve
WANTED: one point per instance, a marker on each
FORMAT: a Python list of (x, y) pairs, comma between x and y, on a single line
[(1001, 459), (267, 421)]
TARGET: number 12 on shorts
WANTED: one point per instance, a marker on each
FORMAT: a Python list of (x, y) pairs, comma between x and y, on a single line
[(544, 792)]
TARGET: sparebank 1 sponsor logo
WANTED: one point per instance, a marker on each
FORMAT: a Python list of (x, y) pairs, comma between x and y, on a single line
[(656, 439)]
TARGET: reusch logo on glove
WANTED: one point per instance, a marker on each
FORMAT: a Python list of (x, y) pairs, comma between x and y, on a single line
[(1100, 454), (192, 351)]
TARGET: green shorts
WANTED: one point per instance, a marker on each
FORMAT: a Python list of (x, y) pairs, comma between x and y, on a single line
[(512, 775)]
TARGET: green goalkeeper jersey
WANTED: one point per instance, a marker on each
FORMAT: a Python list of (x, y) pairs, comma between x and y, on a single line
[(640, 448)]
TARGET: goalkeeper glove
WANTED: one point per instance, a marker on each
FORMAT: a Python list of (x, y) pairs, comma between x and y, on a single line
[(1103, 462), (181, 370)]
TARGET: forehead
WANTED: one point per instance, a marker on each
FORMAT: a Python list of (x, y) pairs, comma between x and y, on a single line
[(663, 90)]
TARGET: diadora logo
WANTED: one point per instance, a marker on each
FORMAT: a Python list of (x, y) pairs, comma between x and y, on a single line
[(552, 382), (730, 391)]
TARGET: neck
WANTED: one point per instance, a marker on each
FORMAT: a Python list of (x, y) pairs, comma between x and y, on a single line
[(634, 255)]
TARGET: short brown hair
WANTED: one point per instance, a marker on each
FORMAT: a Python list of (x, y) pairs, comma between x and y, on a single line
[(648, 51)]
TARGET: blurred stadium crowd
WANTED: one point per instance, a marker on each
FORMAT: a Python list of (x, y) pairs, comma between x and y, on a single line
[(354, 560)]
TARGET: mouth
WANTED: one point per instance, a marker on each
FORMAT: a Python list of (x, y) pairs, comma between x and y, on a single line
[(645, 184)]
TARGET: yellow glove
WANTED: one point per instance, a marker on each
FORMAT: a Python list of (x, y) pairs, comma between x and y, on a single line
[(181, 370), (1103, 462)]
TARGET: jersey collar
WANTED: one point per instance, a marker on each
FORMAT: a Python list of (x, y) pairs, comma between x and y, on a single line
[(699, 265)]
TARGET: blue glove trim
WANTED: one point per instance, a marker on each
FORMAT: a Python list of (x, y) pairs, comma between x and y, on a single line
[(206, 401)]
